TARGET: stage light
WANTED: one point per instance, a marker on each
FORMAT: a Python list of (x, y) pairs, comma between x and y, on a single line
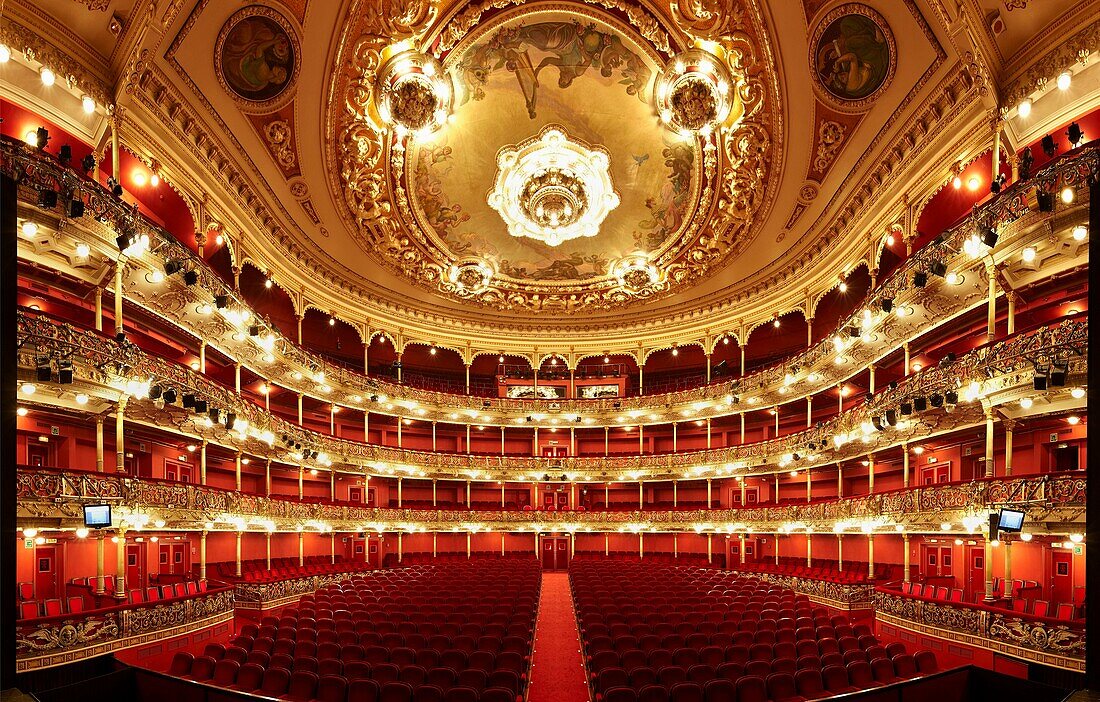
[(920, 279), (1073, 419), (1050, 147), (920, 404), (951, 397), (88, 163), (191, 277), (155, 391), (47, 199), (906, 408), (230, 420), (1074, 134), (189, 400), (65, 155), (887, 304), (989, 237), (939, 268), (22, 411), (891, 417), (172, 266), (947, 359), (1058, 374), (1044, 200), (48, 76), (124, 241), (170, 396), (65, 372), (200, 406), (74, 208), (936, 399), (1040, 379)]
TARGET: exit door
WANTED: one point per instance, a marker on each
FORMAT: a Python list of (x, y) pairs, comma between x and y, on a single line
[(355, 494), (936, 561), (555, 553), (555, 451), (47, 571), (174, 559), (976, 570), (1061, 576), (135, 565), (38, 455)]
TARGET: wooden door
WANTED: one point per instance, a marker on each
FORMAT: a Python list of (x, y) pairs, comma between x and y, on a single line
[(1061, 575), (355, 493), (135, 566), (38, 455), (178, 559), (561, 562), (549, 553), (47, 572), (975, 570), (936, 561)]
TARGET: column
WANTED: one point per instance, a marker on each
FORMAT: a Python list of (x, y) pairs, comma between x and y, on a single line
[(809, 411), (100, 578), (239, 536), (332, 485), (710, 494), (120, 566), (366, 428), (742, 537), (469, 538), (301, 481), (502, 484), (710, 547), (991, 309), (810, 329), (641, 544), (119, 332), (743, 346), (301, 548), (640, 378), (99, 444), (501, 439), (99, 309), (202, 357), (332, 419), (606, 495), (905, 559), (606, 545), (708, 368), (1007, 546), (435, 544), (708, 433), (809, 549), (467, 438), (674, 495), (202, 462), (674, 425), (120, 436), (641, 495), (839, 481), (400, 549), (871, 557), (267, 551), (433, 435), (237, 378), (776, 540), (606, 441), (467, 378), (641, 441), (742, 427), (675, 545), (366, 365), (905, 464), (469, 497), (434, 501), (332, 546), (202, 555), (299, 318), (299, 409), (238, 471), (871, 378), (905, 349), (989, 460), (743, 491), (1011, 312), (267, 478), (399, 367), (775, 496), (1009, 425), (400, 421), (840, 552), (572, 441), (809, 485), (870, 474), (399, 482), (988, 568)]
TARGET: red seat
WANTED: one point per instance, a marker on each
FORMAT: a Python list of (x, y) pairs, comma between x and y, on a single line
[(181, 663), (75, 604), (331, 688), (809, 683), (720, 690), (395, 692), (782, 688), (926, 662), (275, 682), (202, 668), (616, 694), (835, 679), (303, 683), (249, 678), (751, 688), (905, 666), (225, 672), (883, 671), (53, 607)]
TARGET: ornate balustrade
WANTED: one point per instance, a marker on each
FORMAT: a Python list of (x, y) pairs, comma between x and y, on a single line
[(998, 370), (843, 596), (287, 364), (49, 641), (263, 596), (1039, 639), (56, 497)]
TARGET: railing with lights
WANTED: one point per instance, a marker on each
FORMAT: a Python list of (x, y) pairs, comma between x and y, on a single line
[(56, 497), (1045, 640), (899, 292), (50, 641), (952, 391)]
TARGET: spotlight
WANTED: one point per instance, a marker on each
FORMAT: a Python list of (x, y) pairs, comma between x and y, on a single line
[(65, 372), (906, 408), (948, 359), (172, 266), (1050, 147), (877, 422), (989, 237), (123, 241), (170, 396), (1075, 134), (65, 155), (191, 277), (887, 304), (221, 301), (1040, 379), (1058, 374), (254, 330), (936, 400), (200, 406), (44, 369), (1044, 200), (951, 397), (120, 337), (41, 137), (189, 401), (920, 279), (87, 163), (215, 416), (74, 208), (998, 183), (115, 187), (230, 420), (939, 268), (853, 332), (47, 199), (891, 417), (155, 391), (920, 404)]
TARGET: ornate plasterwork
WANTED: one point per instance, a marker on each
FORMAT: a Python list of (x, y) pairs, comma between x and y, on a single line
[(1063, 54), (258, 60), (379, 176)]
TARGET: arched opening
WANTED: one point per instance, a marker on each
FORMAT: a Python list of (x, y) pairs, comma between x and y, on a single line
[(838, 304), (271, 302), (775, 341), (677, 368), (610, 375), (332, 338), (382, 356), (433, 368), (725, 360)]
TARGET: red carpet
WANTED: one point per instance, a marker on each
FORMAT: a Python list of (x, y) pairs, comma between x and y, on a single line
[(557, 670)]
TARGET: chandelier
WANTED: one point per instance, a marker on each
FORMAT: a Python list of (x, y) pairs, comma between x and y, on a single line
[(695, 93), (413, 93), (553, 188)]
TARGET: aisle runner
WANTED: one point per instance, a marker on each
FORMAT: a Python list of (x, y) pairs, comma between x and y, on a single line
[(557, 673)]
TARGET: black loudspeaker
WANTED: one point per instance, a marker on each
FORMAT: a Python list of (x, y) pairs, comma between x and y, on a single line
[(65, 372), (1040, 379), (887, 304), (221, 301), (920, 279), (920, 404), (1058, 374), (951, 397), (994, 522), (200, 406), (189, 401)]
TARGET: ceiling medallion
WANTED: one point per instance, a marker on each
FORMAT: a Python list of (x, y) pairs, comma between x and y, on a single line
[(471, 277), (553, 188), (635, 273), (694, 93), (414, 94)]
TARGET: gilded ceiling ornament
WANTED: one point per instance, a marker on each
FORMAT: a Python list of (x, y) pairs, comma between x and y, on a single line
[(413, 92), (853, 55), (830, 135), (708, 19), (257, 58), (696, 93)]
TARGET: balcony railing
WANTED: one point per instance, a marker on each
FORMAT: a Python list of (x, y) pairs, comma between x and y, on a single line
[(48, 641), (1004, 365), (40, 171), (1040, 639), (45, 495)]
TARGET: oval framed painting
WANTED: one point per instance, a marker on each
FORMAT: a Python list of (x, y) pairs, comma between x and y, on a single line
[(257, 58), (853, 55)]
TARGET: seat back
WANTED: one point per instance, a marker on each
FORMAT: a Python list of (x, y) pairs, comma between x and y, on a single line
[(926, 662), (74, 604), (181, 663), (225, 672)]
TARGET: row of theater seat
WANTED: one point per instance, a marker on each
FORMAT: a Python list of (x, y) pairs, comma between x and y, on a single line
[(1039, 608), (852, 572), (257, 570), (390, 635), (680, 634), (31, 609)]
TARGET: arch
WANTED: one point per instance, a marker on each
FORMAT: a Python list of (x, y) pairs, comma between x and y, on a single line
[(332, 340), (685, 345), (553, 359), (581, 358), (945, 205), (274, 304), (276, 281), (767, 344), (720, 338), (834, 306)]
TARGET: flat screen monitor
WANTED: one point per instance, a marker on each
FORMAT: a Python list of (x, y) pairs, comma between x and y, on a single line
[(1011, 520), (97, 516)]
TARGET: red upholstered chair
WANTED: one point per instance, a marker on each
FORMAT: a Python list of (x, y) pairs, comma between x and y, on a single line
[(385, 673), (443, 678), (751, 688), (895, 649), (642, 677), (236, 653), (494, 694), (860, 675), (760, 669), (455, 694), (26, 591), (202, 669), (836, 680), (249, 678), (331, 688), (481, 660), (53, 607), (329, 666), (395, 692), (473, 679), (809, 683), (782, 688), (883, 671), (414, 675), (275, 682), (609, 678), (615, 694), (926, 662), (225, 672), (720, 690), (181, 664), (366, 690), (653, 693), (303, 683), (214, 650), (686, 692), (75, 604), (905, 666)]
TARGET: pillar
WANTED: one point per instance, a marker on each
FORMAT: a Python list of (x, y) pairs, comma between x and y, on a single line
[(988, 568), (905, 355), (301, 548), (710, 547), (870, 556), (99, 309), (708, 433), (870, 474), (202, 555), (991, 308), (434, 500), (100, 578), (840, 552), (1011, 312), (467, 378), (435, 544), (742, 537), (469, 496), (641, 544), (366, 365), (99, 444), (332, 546), (301, 481), (299, 318), (469, 539), (606, 495), (674, 435), (267, 539), (809, 485), (606, 440), (467, 438), (905, 464), (332, 485), (267, 478), (675, 545), (710, 494), (809, 549), (299, 409), (120, 435), (809, 411), (238, 471), (744, 490), (120, 566), (433, 433), (871, 378), (202, 357), (502, 484), (641, 495), (400, 549), (118, 299), (776, 539), (743, 346), (641, 440), (905, 555), (202, 463), (742, 427), (1009, 426), (237, 378), (240, 534), (839, 481), (674, 495), (989, 460), (399, 483), (1007, 546)]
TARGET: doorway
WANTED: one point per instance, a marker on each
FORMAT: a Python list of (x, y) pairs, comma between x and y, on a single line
[(38, 455), (47, 573), (555, 552), (1061, 576), (936, 561), (975, 571), (173, 559), (135, 565)]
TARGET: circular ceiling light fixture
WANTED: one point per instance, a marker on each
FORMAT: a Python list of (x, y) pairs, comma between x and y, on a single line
[(471, 276), (414, 93), (695, 93), (553, 188), (635, 272)]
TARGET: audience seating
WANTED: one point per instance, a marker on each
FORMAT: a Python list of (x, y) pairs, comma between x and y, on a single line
[(455, 632), (256, 571), (679, 634)]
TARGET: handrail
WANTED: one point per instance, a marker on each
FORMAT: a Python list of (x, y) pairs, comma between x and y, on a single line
[(101, 361), (41, 170)]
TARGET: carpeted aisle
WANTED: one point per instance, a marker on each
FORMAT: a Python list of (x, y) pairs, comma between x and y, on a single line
[(557, 670)]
